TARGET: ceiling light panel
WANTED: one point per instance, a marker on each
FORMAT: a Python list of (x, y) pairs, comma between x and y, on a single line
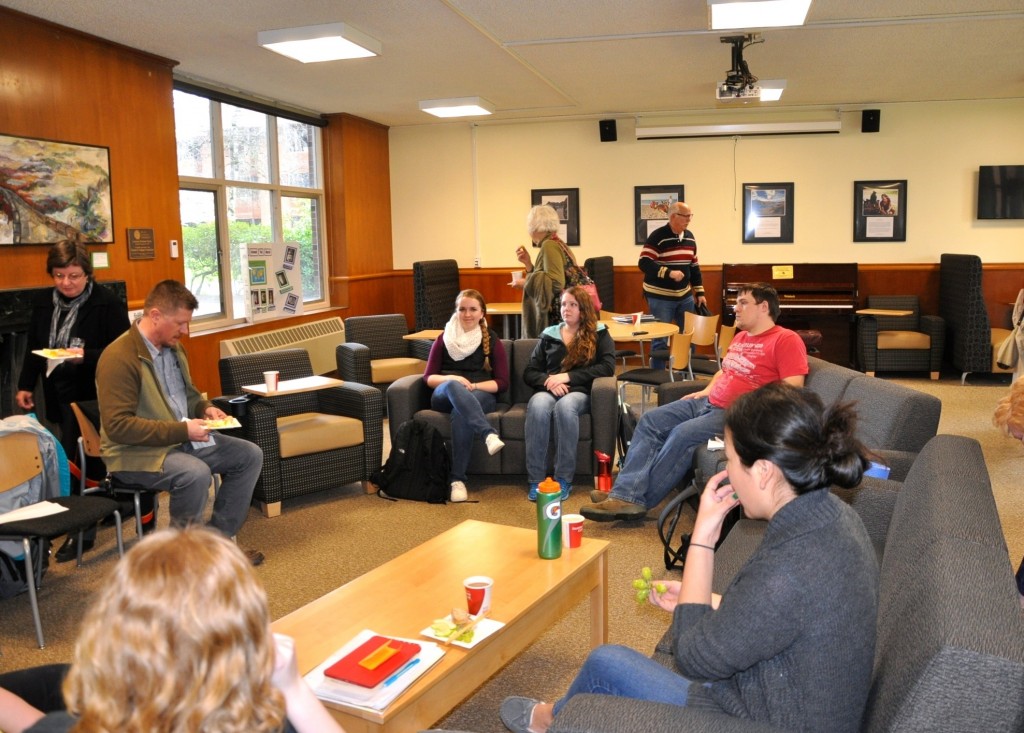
[(733, 14), (457, 107), (314, 43)]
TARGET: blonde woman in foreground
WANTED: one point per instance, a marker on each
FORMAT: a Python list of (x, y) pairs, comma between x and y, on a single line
[(179, 640)]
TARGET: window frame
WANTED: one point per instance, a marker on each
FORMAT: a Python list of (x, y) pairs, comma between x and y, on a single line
[(219, 184)]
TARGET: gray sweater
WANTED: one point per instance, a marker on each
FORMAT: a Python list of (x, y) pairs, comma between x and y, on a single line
[(793, 641)]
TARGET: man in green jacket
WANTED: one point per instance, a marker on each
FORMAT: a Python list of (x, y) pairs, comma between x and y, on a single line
[(153, 420)]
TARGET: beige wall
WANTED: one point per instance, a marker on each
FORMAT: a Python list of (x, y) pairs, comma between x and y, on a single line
[(937, 147)]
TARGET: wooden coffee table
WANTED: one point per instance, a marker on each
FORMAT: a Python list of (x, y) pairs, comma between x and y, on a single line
[(403, 596)]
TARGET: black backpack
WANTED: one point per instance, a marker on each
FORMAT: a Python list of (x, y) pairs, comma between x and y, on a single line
[(418, 466)]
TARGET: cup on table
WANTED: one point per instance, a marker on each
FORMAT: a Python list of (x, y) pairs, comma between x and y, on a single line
[(271, 379), (636, 318), (478, 593), (572, 530)]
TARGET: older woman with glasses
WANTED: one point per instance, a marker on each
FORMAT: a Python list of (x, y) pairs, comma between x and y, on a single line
[(84, 318)]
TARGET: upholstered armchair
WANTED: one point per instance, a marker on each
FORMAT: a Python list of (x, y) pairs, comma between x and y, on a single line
[(900, 343), (435, 285), (311, 441), (375, 353)]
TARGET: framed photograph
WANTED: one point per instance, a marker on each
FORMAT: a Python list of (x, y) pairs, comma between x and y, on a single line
[(880, 211), (767, 213), (54, 191), (565, 201), (650, 208)]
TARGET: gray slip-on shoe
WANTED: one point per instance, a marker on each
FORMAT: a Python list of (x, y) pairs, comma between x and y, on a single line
[(516, 713)]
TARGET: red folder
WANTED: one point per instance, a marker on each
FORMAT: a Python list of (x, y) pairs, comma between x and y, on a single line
[(373, 662)]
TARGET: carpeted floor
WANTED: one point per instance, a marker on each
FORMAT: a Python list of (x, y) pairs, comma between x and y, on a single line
[(323, 540)]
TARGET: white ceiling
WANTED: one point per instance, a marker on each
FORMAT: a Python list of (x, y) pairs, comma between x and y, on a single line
[(571, 58)]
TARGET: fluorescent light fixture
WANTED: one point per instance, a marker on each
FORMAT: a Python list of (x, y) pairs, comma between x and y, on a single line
[(458, 107), (327, 42), (771, 89), (733, 14)]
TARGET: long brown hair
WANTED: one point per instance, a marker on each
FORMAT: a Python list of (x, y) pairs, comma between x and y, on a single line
[(484, 331), (582, 349)]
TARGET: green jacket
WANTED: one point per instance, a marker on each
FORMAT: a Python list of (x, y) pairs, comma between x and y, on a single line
[(138, 427)]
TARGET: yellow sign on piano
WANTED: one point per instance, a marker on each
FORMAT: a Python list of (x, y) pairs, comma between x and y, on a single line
[(782, 272)]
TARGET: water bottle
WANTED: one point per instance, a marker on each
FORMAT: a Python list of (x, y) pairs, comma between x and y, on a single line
[(549, 519), (603, 478)]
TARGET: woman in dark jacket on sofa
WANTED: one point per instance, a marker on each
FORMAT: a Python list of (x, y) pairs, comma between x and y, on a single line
[(791, 642), (565, 362)]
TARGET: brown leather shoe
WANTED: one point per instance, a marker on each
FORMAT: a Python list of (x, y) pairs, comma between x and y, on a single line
[(612, 509), (598, 496), (255, 557)]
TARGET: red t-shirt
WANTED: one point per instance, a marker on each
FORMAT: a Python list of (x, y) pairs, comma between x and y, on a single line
[(753, 361)]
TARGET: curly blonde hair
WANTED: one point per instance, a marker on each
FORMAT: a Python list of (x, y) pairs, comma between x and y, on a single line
[(1009, 415), (582, 349), (178, 640)]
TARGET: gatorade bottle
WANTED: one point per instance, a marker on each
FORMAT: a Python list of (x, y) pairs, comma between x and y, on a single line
[(549, 519)]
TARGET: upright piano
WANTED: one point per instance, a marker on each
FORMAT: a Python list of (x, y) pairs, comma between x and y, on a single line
[(814, 296)]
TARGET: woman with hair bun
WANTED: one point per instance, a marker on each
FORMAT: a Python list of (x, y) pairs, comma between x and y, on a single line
[(791, 641)]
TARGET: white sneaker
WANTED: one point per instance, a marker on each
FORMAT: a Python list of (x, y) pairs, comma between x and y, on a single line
[(494, 443), (458, 491)]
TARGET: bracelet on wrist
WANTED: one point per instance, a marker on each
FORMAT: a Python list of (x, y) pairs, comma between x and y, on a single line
[(706, 547)]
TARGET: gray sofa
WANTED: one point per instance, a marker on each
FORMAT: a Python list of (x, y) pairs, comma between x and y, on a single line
[(895, 422), (950, 649), (409, 398)]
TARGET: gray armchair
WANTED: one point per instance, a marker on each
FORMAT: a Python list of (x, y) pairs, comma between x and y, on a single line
[(900, 343), (311, 441), (409, 398), (375, 353)]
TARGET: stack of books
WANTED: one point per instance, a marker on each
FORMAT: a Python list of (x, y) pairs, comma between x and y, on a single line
[(628, 318), (372, 670)]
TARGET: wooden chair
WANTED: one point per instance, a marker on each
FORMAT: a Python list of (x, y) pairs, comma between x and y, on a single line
[(649, 378), (705, 333), (725, 336), (19, 455), (145, 500)]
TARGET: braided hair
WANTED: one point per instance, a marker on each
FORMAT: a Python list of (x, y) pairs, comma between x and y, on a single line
[(813, 446), (485, 332)]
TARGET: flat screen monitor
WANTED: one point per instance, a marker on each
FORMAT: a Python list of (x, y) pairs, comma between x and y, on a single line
[(1001, 192)]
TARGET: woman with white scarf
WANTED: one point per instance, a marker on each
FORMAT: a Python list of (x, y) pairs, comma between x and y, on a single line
[(466, 369)]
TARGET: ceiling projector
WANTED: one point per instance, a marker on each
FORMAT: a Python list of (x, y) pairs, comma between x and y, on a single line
[(726, 92)]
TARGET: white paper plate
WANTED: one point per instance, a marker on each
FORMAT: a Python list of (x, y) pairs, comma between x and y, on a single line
[(483, 629), (229, 424)]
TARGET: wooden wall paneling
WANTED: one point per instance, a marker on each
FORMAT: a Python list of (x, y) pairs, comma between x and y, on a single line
[(60, 84)]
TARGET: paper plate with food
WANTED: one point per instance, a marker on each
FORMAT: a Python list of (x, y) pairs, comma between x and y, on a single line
[(224, 423), (461, 629), (56, 354)]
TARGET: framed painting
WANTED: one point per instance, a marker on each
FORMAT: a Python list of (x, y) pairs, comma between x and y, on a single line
[(566, 202), (51, 191), (880, 211), (651, 207), (767, 213)]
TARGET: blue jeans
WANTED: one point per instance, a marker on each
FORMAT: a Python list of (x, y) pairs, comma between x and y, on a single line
[(186, 475), (624, 672), (543, 409), (468, 411), (662, 449), (668, 311)]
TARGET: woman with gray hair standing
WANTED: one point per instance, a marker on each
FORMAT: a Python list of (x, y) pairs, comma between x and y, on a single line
[(545, 277)]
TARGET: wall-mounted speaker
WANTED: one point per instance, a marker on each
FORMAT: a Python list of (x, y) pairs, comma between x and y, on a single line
[(870, 120), (608, 132)]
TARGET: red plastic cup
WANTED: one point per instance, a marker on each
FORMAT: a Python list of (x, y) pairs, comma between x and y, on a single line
[(572, 530), (478, 593)]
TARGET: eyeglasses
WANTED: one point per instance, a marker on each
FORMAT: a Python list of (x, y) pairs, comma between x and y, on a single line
[(71, 278)]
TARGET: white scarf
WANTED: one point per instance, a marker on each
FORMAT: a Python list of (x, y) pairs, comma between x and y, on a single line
[(459, 342)]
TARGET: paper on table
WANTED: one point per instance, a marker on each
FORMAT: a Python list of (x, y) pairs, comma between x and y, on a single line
[(373, 698), (33, 511)]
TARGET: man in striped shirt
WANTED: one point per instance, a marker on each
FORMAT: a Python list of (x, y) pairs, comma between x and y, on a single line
[(672, 279)]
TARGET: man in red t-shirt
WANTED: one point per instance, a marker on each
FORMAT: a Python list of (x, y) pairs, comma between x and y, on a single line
[(665, 439)]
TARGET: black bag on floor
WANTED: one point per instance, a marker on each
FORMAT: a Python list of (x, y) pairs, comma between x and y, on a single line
[(627, 425), (418, 466)]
